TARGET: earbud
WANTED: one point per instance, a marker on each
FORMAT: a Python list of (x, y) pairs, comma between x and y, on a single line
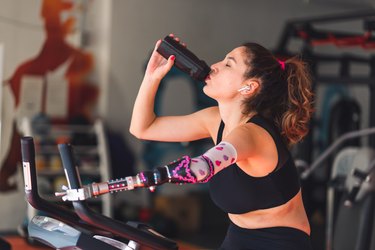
[(247, 87)]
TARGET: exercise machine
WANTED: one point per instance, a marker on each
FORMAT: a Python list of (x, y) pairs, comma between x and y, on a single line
[(351, 194), (58, 232), (64, 229)]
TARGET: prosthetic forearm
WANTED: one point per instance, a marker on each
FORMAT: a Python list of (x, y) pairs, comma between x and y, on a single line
[(185, 170)]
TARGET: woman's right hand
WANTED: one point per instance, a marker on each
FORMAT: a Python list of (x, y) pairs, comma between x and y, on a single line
[(158, 66)]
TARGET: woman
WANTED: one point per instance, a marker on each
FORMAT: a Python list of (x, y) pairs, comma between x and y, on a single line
[(264, 106)]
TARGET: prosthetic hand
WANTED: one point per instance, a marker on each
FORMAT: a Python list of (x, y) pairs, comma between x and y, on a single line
[(182, 171)]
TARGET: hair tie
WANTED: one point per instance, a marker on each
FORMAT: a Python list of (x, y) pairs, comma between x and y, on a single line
[(282, 64)]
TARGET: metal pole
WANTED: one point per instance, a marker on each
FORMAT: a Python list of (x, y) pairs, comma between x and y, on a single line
[(347, 136)]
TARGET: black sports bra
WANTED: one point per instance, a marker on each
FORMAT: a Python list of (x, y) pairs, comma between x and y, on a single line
[(236, 192)]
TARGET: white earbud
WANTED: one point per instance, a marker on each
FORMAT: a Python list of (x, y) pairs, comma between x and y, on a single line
[(247, 87)]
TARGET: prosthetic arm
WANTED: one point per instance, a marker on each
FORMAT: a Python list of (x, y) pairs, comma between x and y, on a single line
[(199, 169)]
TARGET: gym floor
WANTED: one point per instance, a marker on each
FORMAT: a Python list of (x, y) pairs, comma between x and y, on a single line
[(18, 243)]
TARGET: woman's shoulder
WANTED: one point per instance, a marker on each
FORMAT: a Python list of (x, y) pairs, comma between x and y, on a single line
[(211, 118), (210, 113)]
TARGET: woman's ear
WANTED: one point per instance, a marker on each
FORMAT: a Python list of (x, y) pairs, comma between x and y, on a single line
[(254, 84), (249, 86)]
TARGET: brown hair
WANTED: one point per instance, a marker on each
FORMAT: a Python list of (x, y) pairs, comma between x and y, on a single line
[(284, 95)]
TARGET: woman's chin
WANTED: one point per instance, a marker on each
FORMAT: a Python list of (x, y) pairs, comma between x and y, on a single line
[(205, 87), (207, 92)]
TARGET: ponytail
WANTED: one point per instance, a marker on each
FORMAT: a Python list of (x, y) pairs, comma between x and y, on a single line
[(284, 96), (295, 120)]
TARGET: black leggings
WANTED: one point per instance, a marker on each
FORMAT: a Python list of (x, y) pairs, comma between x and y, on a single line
[(280, 238)]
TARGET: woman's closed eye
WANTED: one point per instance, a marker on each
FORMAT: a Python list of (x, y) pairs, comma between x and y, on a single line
[(229, 61)]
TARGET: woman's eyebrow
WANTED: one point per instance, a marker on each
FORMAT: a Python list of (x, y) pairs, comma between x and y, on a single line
[(231, 58)]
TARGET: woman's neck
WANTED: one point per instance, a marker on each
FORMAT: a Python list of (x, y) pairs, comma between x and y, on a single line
[(232, 116)]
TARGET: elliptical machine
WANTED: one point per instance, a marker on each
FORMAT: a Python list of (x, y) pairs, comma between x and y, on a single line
[(63, 229)]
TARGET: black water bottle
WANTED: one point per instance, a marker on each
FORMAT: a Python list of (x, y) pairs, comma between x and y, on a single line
[(185, 60)]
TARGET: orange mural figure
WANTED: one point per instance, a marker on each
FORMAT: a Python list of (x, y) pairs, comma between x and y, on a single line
[(56, 51)]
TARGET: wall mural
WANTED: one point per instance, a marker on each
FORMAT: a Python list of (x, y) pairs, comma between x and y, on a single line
[(53, 84)]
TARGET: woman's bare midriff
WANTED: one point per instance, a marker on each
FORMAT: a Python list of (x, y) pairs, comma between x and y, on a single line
[(291, 214)]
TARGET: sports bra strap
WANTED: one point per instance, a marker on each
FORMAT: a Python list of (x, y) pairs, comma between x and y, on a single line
[(220, 132), (270, 127)]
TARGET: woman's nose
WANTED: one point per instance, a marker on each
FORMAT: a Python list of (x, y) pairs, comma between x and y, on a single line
[(213, 69)]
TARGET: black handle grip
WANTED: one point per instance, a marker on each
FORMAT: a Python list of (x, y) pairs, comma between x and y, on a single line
[(68, 161), (29, 168), (27, 149), (185, 60)]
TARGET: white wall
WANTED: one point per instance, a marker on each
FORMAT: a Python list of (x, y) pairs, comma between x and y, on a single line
[(21, 34), (211, 28), (21, 31)]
